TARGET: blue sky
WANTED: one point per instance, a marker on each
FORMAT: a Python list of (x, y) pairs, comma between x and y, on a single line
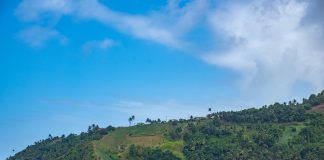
[(67, 64)]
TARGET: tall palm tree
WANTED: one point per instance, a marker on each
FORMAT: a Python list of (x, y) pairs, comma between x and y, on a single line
[(130, 121)]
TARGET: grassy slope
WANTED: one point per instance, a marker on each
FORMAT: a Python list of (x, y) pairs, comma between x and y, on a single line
[(115, 144), (289, 133)]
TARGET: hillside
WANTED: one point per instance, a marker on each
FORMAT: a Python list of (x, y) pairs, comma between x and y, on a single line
[(279, 131)]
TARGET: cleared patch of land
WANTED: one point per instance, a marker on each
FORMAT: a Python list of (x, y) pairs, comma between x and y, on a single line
[(118, 141), (318, 108)]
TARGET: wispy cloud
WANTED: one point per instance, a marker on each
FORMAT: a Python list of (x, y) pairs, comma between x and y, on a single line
[(94, 45), (165, 27), (136, 25), (36, 36), (170, 109), (35, 10), (74, 103), (273, 45)]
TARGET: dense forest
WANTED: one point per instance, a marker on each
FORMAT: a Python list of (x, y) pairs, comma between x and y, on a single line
[(279, 131)]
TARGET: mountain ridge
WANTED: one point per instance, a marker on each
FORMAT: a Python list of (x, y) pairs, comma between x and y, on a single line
[(279, 131)]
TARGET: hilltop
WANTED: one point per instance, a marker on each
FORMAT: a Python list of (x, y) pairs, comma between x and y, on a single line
[(279, 131)]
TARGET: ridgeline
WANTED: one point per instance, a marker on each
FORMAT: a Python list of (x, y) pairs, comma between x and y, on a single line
[(279, 131)]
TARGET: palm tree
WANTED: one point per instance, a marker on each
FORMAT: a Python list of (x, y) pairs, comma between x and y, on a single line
[(130, 119)]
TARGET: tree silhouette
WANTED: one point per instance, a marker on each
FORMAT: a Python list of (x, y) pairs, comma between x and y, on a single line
[(148, 120), (50, 136), (130, 119)]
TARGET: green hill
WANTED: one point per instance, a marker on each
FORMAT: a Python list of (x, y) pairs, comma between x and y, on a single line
[(278, 131)]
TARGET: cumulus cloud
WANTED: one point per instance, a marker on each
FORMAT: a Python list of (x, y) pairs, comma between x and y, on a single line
[(103, 45), (36, 36), (268, 44)]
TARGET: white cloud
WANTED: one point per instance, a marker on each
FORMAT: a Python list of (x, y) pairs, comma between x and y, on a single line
[(34, 10), (138, 26), (269, 46), (266, 42), (103, 45), (165, 27), (36, 36)]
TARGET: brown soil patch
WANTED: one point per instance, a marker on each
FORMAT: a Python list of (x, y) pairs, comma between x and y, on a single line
[(318, 108)]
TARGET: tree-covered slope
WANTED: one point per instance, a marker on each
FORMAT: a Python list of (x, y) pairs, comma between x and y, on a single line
[(280, 131)]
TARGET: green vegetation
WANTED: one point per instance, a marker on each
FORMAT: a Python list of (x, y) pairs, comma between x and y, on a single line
[(279, 131), (65, 147), (138, 153)]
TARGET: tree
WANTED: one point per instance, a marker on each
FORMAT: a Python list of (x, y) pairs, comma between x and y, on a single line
[(130, 119), (148, 120), (209, 115)]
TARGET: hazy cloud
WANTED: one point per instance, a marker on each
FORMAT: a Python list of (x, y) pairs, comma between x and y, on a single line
[(102, 45), (36, 36), (35, 10), (168, 109)]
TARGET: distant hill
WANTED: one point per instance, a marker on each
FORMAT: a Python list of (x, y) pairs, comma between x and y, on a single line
[(279, 131)]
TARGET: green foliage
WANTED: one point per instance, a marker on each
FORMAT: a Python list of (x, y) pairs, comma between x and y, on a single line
[(175, 147), (144, 153), (279, 131), (72, 147), (275, 113), (266, 136), (315, 100)]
